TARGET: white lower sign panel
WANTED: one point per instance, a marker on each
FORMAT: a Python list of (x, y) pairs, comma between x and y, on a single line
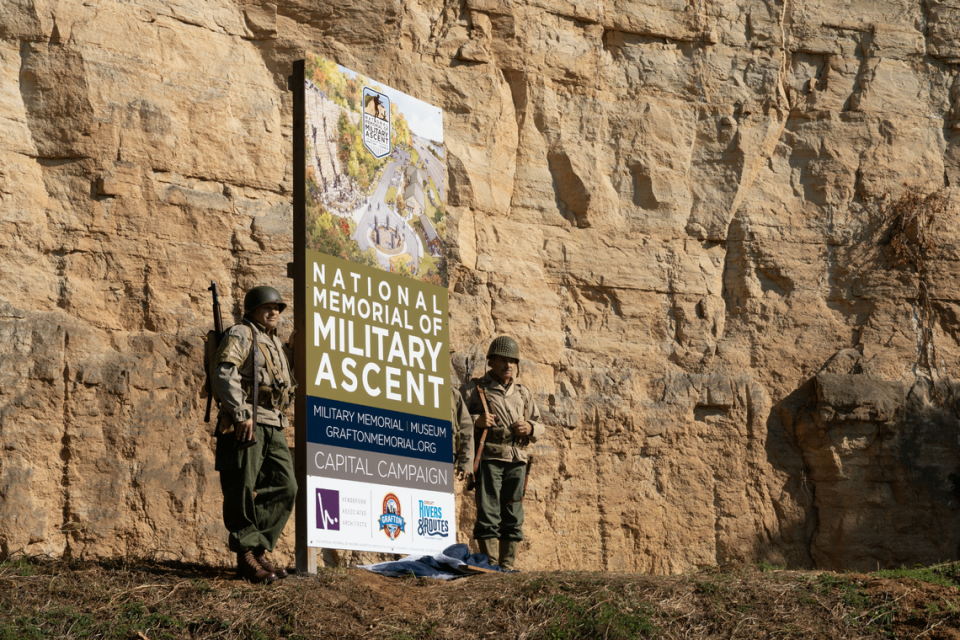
[(359, 516)]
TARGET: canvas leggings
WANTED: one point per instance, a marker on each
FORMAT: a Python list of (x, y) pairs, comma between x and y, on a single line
[(499, 500), (259, 488)]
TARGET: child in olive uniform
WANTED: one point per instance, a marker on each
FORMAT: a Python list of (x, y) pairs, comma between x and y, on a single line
[(256, 469), (513, 423)]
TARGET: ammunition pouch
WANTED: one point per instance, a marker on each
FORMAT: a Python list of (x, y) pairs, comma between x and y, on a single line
[(274, 392), (499, 440), (274, 397), (496, 435), (494, 450)]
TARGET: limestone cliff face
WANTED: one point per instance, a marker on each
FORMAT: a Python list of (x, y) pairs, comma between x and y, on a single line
[(671, 204)]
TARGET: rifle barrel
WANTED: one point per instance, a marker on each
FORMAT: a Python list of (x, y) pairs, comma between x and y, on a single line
[(526, 476), (218, 332), (217, 314)]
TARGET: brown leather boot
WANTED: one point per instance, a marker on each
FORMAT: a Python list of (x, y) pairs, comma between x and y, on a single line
[(251, 570), (264, 561)]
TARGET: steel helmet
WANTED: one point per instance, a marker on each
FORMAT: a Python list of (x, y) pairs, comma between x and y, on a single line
[(504, 346), (259, 296)]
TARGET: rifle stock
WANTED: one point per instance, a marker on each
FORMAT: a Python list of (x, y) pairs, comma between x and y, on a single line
[(526, 477), (218, 333), (483, 438), (206, 415)]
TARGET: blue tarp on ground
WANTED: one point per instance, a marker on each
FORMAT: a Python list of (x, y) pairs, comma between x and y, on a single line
[(449, 564)]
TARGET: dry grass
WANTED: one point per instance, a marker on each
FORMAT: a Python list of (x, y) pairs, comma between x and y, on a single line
[(912, 220), (47, 598)]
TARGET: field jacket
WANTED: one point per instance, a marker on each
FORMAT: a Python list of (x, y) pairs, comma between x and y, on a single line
[(511, 403), (233, 376)]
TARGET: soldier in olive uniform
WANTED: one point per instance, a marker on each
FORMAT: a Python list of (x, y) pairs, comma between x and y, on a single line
[(513, 423), (256, 469)]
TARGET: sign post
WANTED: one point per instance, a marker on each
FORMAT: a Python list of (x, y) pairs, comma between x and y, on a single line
[(374, 442), (306, 558)]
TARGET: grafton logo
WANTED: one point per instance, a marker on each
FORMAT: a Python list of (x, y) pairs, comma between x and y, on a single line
[(328, 509), (391, 522)]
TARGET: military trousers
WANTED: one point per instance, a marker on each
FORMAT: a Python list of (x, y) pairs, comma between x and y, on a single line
[(259, 488), (499, 500)]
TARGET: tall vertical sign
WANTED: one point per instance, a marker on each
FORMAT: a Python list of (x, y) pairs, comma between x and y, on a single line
[(375, 455)]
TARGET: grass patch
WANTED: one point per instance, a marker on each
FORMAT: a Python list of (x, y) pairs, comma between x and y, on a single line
[(583, 618), (589, 607), (708, 588), (428, 262), (945, 575), (20, 566), (47, 598), (859, 609), (414, 155), (391, 194), (430, 208), (68, 621)]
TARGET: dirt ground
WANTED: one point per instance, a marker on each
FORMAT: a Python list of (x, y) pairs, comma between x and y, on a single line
[(143, 599)]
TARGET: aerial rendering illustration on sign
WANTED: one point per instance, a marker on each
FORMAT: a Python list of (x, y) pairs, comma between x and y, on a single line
[(374, 174)]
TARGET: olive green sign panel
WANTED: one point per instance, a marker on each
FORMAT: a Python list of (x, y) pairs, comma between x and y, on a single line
[(376, 339)]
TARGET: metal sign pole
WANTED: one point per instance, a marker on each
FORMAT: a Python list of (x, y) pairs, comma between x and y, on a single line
[(306, 557)]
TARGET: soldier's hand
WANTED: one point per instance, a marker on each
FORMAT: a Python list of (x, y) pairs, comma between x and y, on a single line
[(486, 421), (521, 428), (244, 430)]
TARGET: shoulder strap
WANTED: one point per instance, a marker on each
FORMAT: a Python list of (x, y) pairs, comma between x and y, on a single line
[(243, 328), (256, 376), (273, 367)]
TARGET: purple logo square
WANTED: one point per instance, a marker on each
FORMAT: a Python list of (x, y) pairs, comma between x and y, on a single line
[(328, 509)]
